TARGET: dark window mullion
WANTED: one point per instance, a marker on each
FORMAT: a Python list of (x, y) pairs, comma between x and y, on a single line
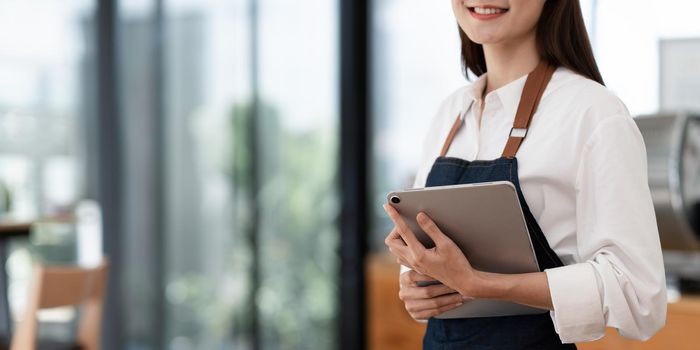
[(109, 166), (354, 169)]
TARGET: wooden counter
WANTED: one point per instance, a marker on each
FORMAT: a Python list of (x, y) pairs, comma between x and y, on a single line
[(390, 327), (682, 331)]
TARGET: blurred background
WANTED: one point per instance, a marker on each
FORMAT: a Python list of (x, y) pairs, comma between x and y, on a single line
[(230, 159)]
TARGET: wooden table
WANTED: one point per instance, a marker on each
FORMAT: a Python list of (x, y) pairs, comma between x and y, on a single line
[(7, 232)]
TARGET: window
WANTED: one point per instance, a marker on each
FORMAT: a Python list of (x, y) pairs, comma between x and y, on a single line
[(46, 77), (230, 161)]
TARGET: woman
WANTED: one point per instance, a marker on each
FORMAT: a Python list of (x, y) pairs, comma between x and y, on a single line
[(580, 173)]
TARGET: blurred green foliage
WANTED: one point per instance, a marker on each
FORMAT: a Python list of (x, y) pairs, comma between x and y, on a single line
[(297, 237)]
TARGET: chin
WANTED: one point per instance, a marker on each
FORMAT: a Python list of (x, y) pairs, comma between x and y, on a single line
[(484, 38)]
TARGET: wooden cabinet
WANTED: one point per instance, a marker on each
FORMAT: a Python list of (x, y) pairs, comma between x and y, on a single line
[(390, 327)]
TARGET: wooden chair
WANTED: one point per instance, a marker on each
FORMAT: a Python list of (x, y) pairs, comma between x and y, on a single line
[(65, 286)]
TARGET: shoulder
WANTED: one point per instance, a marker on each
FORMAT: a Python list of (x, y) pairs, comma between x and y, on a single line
[(584, 104), (581, 95)]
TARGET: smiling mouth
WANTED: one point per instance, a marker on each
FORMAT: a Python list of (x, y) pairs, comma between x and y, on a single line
[(487, 10)]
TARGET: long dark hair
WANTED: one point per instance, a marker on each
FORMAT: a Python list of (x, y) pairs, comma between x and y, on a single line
[(562, 40)]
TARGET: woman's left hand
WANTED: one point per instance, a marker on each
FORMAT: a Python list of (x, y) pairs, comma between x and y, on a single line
[(445, 262)]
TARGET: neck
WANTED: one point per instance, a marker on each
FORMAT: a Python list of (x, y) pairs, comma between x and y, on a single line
[(509, 61)]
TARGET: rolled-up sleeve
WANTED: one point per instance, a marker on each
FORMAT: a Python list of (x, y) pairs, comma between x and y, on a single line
[(619, 280)]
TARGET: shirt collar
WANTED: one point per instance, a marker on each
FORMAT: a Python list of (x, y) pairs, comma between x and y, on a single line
[(509, 94)]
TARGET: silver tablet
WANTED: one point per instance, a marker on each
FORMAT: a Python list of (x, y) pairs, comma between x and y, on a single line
[(486, 221)]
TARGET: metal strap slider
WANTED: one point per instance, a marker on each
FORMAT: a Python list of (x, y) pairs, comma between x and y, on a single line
[(518, 132)]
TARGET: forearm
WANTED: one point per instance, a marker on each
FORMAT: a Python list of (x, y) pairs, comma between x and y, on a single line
[(528, 288)]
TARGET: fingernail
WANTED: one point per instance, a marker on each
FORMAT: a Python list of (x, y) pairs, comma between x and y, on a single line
[(459, 304)]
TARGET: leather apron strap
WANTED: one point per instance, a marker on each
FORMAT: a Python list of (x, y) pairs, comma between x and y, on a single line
[(451, 136), (534, 87)]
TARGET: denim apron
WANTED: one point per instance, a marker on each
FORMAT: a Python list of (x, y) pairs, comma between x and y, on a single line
[(502, 332)]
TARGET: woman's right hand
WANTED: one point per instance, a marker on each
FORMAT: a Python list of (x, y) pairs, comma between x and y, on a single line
[(423, 303)]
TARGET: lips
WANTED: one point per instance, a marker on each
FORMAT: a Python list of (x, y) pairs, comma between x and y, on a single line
[(485, 12)]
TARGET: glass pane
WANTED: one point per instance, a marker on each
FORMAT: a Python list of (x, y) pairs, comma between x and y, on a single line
[(42, 77), (213, 238), (298, 200), (207, 196), (46, 79)]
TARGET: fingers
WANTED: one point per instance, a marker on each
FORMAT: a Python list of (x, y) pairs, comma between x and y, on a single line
[(401, 254), (409, 280), (426, 308), (430, 228), (393, 239), (407, 293), (418, 305), (397, 247), (406, 234), (410, 277), (403, 262), (426, 314), (425, 302), (393, 236)]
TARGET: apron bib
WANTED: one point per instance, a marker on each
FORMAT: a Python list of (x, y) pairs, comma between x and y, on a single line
[(503, 332)]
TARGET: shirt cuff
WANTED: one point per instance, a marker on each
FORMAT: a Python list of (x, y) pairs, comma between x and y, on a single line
[(578, 311)]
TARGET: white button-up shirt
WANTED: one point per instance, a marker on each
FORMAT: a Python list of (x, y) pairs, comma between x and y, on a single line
[(583, 172)]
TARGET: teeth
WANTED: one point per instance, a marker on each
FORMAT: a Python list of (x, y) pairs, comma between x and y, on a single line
[(488, 11)]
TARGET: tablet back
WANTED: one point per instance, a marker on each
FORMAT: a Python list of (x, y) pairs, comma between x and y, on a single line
[(486, 221)]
